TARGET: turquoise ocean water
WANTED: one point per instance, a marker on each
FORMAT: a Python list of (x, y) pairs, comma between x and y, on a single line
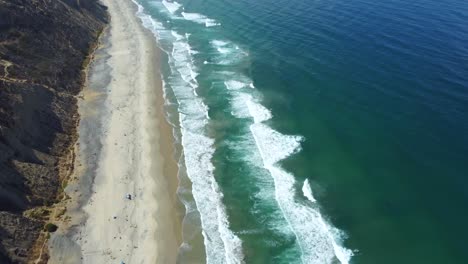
[(318, 131)]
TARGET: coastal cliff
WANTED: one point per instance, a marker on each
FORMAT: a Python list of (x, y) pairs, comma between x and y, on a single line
[(44, 49)]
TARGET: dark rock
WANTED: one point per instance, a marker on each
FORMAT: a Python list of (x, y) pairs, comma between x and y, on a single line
[(44, 46)]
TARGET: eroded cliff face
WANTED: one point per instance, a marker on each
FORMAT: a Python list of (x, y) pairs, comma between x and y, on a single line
[(44, 47)]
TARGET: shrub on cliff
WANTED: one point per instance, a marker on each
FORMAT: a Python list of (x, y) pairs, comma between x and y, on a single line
[(49, 227)]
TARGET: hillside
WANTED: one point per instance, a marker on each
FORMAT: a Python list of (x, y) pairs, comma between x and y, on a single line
[(44, 47)]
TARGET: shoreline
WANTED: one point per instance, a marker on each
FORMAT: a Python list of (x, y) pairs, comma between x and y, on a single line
[(128, 148)]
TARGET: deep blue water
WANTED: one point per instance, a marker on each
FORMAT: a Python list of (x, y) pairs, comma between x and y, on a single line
[(367, 100)]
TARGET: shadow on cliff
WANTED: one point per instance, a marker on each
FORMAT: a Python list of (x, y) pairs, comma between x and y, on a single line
[(43, 49), (27, 160)]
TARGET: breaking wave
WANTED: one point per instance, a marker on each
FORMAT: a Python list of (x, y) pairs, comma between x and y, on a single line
[(318, 241)]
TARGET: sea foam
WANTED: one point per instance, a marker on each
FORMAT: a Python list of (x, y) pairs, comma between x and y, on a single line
[(228, 52), (318, 241), (235, 85), (307, 191), (171, 6), (222, 245), (200, 19), (318, 245)]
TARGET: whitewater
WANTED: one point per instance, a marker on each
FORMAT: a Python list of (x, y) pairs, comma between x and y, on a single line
[(318, 241)]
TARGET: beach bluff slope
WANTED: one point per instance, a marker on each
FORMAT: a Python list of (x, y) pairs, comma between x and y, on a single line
[(44, 48)]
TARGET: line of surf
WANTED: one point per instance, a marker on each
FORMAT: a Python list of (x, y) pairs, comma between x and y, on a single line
[(319, 241), (177, 11), (315, 237), (221, 244)]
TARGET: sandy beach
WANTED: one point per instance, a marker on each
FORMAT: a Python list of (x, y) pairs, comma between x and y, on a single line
[(124, 203)]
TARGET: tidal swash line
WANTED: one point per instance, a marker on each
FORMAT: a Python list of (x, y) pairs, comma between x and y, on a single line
[(318, 241), (222, 246)]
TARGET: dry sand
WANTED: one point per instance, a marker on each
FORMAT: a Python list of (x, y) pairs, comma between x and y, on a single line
[(132, 153)]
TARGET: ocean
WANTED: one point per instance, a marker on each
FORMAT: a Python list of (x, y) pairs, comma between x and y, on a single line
[(318, 131)]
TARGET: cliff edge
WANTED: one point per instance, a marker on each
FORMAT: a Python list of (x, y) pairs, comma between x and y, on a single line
[(44, 47)]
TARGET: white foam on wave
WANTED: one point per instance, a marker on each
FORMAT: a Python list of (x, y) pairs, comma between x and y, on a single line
[(222, 245), (222, 47), (245, 106), (228, 52), (307, 191), (223, 50), (258, 111), (239, 107), (171, 6), (200, 19), (176, 35), (183, 60), (318, 241), (235, 84), (211, 23), (217, 42), (154, 26)]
